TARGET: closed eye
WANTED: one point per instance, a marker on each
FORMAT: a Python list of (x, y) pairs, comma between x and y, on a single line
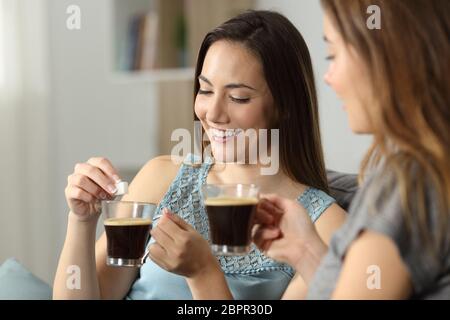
[(205, 92), (240, 100)]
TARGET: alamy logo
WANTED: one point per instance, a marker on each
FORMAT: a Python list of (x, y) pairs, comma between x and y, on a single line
[(73, 281), (374, 280), (374, 20), (73, 22), (240, 146)]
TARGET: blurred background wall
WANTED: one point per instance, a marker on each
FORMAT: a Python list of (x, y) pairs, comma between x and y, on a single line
[(116, 87)]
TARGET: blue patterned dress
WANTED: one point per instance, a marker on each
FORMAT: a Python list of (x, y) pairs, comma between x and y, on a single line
[(253, 276)]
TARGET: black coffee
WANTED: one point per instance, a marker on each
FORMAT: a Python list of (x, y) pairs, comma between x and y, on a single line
[(230, 220), (127, 237)]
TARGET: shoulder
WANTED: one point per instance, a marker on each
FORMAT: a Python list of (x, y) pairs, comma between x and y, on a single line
[(165, 162), (326, 214), (162, 168), (315, 201), (153, 180), (330, 221)]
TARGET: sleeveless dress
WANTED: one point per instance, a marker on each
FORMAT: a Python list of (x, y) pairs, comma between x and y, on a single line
[(252, 276)]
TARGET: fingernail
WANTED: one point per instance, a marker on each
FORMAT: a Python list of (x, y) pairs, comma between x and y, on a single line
[(102, 195), (116, 178), (112, 189)]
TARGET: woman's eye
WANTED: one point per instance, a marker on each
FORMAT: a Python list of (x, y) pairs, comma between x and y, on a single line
[(330, 57), (205, 92), (240, 100)]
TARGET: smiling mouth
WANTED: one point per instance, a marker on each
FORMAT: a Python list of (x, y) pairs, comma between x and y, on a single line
[(222, 136)]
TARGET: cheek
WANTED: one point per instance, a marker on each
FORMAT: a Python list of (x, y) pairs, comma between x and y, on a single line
[(200, 108), (253, 116), (335, 77)]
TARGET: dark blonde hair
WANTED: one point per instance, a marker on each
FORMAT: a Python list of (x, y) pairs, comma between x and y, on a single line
[(408, 64), (288, 71)]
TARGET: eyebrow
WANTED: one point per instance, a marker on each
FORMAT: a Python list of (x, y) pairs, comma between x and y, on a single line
[(228, 86)]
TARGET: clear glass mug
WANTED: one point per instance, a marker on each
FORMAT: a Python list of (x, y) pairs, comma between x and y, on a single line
[(230, 209), (127, 226)]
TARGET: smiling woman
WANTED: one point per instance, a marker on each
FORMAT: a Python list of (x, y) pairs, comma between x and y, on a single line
[(264, 88), (233, 97)]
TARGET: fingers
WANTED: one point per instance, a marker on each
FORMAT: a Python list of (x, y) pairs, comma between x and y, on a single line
[(267, 213), (85, 183), (269, 206), (280, 202), (97, 176), (264, 234), (162, 238), (263, 217), (79, 194), (106, 166), (158, 255), (171, 228), (177, 219)]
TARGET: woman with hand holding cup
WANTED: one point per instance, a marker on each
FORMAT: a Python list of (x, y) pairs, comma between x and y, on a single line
[(242, 83), (395, 244)]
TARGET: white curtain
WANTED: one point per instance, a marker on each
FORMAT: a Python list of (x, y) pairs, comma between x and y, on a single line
[(25, 211)]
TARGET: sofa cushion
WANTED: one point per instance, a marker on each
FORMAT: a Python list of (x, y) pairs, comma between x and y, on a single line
[(342, 187), (17, 283)]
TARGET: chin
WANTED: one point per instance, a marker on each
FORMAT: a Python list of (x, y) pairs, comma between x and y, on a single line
[(360, 129), (228, 155), (357, 131), (220, 154)]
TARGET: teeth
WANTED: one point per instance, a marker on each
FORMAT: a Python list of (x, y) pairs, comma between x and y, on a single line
[(223, 133)]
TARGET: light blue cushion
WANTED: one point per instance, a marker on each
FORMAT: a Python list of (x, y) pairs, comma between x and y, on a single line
[(17, 283)]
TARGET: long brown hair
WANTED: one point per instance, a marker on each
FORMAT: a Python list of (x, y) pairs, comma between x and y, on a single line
[(287, 67), (408, 64)]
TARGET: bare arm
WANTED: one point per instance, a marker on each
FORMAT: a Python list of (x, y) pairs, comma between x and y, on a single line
[(210, 286), (97, 279), (371, 258), (331, 220), (78, 258)]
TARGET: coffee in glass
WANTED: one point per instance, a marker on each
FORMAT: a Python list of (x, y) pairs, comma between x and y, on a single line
[(230, 209), (127, 226)]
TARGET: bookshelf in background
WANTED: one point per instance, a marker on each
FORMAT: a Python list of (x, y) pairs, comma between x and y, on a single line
[(157, 41), (166, 34)]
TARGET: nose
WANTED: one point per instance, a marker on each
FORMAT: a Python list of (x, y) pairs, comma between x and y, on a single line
[(217, 112), (327, 78)]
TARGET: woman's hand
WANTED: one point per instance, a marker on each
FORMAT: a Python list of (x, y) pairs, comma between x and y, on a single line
[(284, 230), (91, 182), (180, 249)]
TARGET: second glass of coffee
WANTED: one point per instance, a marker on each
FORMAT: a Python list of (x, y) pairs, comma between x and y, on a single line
[(230, 209)]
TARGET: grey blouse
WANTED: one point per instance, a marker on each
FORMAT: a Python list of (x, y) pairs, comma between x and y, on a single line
[(377, 207)]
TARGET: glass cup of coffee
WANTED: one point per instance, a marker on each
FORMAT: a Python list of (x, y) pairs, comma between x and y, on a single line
[(127, 226), (230, 209)]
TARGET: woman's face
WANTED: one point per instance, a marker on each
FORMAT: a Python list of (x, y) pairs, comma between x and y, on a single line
[(347, 76), (233, 98)]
